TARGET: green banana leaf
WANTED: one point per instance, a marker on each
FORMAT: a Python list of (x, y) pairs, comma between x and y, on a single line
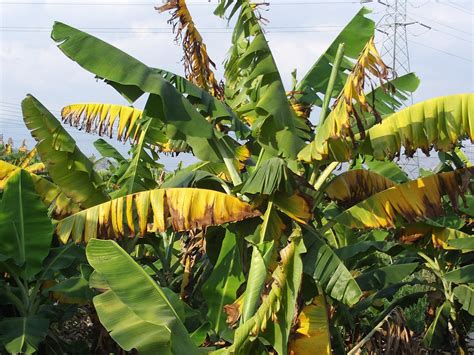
[(263, 255), (464, 244), (354, 36), (23, 334), (221, 287), (382, 277), (108, 151), (25, 229), (134, 309), (436, 333), (270, 177), (465, 295), (464, 274), (97, 57), (322, 263), (138, 176), (387, 168), (68, 167), (255, 91)]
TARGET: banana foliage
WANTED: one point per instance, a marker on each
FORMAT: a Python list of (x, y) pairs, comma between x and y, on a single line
[(154, 211), (68, 167), (409, 202), (247, 250)]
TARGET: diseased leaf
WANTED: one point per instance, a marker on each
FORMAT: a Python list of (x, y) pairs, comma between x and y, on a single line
[(295, 206), (278, 333), (354, 36), (312, 335), (154, 210), (354, 186), (388, 98), (410, 202), (284, 277), (438, 123), (332, 137), (197, 64), (101, 118), (50, 194)]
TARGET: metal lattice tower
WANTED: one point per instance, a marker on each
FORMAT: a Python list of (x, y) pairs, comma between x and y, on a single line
[(395, 44), (395, 53)]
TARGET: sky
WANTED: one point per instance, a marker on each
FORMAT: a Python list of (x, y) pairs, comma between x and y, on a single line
[(440, 44)]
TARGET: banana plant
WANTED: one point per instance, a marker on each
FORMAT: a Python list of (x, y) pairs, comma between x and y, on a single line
[(35, 271), (260, 246)]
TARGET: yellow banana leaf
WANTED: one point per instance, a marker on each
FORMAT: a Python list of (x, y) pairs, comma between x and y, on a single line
[(312, 335), (28, 158), (409, 202), (296, 207), (50, 193), (354, 186), (332, 136), (154, 210), (8, 169), (100, 118), (35, 168), (439, 123)]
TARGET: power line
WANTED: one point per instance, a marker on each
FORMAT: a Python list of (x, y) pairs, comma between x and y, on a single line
[(457, 7), (442, 51), (154, 3), (452, 35), (157, 30), (428, 27), (443, 24)]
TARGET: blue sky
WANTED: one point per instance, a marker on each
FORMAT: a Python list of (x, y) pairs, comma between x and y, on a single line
[(30, 62)]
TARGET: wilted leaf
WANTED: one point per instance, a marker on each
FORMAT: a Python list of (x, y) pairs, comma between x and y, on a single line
[(154, 210), (438, 123), (354, 186), (312, 335), (410, 202)]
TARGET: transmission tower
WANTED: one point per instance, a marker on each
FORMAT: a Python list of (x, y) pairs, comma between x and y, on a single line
[(395, 53), (395, 43)]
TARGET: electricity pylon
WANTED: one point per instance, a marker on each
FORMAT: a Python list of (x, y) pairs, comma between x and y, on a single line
[(395, 53)]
